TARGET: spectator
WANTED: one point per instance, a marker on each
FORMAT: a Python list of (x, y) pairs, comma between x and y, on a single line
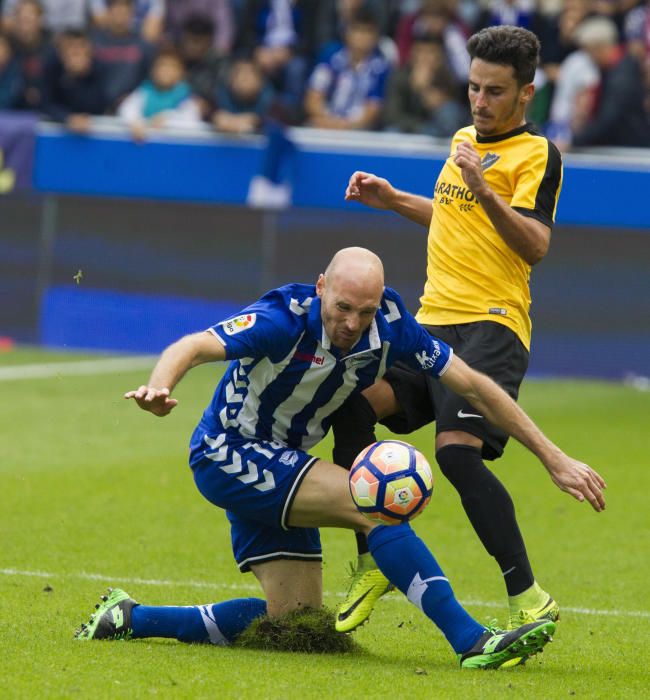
[(122, 51), (74, 83), (9, 75), (59, 15), (280, 34), (556, 35), (32, 49), (244, 98), (218, 12), (203, 65), (423, 96), (637, 37), (637, 31), (347, 92), (575, 84), (165, 100), (619, 118), (434, 18), (148, 18), (517, 13), (334, 17)]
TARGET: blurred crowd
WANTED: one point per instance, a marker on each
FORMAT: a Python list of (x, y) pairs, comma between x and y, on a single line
[(391, 65)]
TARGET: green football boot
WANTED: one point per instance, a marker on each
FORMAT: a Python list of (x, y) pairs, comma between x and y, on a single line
[(111, 619), (546, 609), (496, 647), (549, 610), (367, 586)]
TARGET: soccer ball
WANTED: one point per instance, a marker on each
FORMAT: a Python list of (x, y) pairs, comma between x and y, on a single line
[(391, 482)]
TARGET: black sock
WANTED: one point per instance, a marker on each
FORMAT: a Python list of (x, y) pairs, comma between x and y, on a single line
[(362, 543), (354, 428), (490, 510)]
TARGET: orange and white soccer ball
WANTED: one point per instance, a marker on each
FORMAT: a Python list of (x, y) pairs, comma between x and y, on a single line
[(391, 482)]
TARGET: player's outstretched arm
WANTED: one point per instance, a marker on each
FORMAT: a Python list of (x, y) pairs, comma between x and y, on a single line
[(188, 352), (576, 478), (378, 193)]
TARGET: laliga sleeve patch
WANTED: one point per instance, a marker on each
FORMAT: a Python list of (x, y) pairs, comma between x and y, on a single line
[(238, 324)]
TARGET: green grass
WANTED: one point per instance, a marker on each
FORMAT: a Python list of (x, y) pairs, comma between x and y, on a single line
[(91, 486)]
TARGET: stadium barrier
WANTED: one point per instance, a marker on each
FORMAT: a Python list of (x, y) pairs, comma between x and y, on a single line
[(125, 246)]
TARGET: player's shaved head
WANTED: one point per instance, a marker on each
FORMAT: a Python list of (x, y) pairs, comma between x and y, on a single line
[(350, 291), (359, 266)]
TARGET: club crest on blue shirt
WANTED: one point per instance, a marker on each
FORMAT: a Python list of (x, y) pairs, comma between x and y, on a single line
[(238, 324), (359, 361), (488, 160)]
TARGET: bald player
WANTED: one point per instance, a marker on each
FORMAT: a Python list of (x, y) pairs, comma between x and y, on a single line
[(296, 355)]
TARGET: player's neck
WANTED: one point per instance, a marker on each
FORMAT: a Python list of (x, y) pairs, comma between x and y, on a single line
[(506, 129)]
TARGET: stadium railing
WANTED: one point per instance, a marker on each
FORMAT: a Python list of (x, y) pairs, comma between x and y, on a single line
[(125, 246)]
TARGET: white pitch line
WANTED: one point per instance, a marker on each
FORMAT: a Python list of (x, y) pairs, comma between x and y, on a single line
[(115, 580), (107, 365)]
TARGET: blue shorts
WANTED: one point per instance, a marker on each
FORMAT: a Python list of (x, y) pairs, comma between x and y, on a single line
[(256, 482)]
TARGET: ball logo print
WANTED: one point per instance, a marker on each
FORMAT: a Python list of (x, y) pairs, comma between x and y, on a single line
[(391, 482)]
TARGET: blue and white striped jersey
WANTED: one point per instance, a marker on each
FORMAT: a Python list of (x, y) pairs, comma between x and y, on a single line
[(286, 379)]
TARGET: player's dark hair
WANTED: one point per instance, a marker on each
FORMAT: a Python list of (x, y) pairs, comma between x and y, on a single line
[(507, 46), (75, 34), (199, 25), (427, 38), (169, 52), (366, 17), (36, 3)]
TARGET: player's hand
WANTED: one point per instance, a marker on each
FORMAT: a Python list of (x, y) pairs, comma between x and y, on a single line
[(469, 162), (370, 190), (579, 480), (154, 400)]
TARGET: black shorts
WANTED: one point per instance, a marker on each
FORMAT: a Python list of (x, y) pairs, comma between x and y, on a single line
[(486, 346)]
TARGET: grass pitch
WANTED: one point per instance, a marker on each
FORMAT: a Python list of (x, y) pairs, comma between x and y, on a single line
[(94, 492)]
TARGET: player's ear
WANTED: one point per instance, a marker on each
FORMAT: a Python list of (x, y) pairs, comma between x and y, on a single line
[(527, 93), (320, 285)]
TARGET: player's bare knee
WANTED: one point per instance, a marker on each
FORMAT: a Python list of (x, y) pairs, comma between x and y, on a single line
[(457, 437), (381, 398)]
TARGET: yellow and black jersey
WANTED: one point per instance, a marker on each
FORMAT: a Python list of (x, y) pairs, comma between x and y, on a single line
[(472, 274)]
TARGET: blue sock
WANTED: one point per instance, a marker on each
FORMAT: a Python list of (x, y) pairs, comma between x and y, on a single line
[(408, 564), (218, 624)]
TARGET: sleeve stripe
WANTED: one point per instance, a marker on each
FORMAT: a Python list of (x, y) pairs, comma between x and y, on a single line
[(549, 187), (446, 367), (217, 336), (535, 214)]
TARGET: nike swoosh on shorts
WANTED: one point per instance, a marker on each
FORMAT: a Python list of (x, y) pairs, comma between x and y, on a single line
[(462, 414)]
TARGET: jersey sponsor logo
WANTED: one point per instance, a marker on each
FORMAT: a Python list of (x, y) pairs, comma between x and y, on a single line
[(239, 324), (488, 160), (290, 457), (462, 414), (307, 357), (427, 361), (445, 192), (498, 311)]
